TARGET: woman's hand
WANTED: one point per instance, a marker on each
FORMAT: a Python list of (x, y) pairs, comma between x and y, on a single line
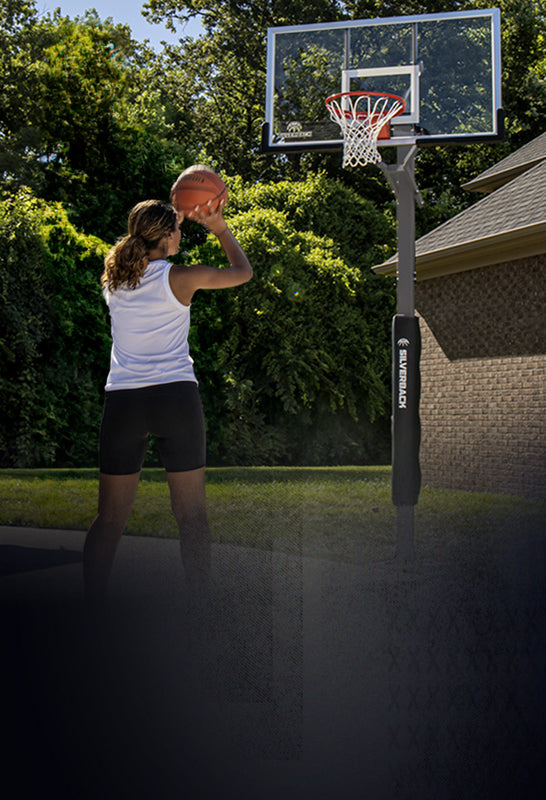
[(186, 280), (210, 218)]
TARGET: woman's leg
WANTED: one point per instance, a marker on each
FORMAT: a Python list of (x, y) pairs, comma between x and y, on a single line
[(116, 497), (188, 504)]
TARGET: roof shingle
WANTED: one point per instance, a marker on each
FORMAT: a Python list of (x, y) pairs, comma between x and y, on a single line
[(515, 213), (511, 166)]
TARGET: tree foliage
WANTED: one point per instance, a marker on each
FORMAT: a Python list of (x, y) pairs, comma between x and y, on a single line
[(294, 366), (222, 73), (22, 41), (54, 342), (85, 118)]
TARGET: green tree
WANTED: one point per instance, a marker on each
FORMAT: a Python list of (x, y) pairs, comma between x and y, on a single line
[(54, 341), (109, 142), (22, 41), (294, 367), (222, 73), (86, 119)]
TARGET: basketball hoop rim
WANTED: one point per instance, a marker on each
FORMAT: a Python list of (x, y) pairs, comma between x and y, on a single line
[(361, 114)]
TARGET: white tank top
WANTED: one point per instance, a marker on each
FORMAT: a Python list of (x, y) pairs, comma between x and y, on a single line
[(149, 332)]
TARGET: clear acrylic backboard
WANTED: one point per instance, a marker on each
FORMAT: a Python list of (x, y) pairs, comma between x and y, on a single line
[(447, 68)]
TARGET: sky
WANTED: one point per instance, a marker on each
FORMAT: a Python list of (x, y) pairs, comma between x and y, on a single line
[(124, 11)]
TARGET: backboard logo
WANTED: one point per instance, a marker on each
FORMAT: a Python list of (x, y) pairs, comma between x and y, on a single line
[(294, 130), (403, 373)]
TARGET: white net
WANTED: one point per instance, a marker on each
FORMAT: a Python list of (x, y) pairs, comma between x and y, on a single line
[(361, 117)]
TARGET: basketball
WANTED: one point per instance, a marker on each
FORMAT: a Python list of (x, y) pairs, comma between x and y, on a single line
[(197, 186)]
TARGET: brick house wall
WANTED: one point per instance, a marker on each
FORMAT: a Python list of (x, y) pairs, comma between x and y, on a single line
[(483, 372)]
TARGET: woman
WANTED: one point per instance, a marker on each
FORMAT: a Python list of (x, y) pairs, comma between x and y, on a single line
[(151, 387)]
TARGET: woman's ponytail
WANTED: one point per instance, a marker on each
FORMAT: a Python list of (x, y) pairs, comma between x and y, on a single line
[(125, 263)]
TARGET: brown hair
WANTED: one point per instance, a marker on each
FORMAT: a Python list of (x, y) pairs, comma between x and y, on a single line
[(125, 263)]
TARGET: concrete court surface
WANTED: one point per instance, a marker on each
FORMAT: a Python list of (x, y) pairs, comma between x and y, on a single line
[(303, 679)]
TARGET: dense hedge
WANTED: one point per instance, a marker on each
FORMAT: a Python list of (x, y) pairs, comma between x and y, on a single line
[(53, 337), (293, 367)]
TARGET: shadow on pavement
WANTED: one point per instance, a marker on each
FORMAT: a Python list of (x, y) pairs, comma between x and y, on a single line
[(14, 558)]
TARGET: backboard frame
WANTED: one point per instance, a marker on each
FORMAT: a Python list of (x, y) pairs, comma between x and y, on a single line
[(297, 139)]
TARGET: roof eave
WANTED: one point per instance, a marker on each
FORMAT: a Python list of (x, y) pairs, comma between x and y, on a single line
[(491, 181), (495, 249)]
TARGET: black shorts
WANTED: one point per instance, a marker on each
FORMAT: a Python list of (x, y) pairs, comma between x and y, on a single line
[(171, 412)]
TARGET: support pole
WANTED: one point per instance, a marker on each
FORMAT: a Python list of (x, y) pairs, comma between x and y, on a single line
[(405, 218), (406, 473)]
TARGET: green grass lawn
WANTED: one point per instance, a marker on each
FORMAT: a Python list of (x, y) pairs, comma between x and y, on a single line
[(341, 513)]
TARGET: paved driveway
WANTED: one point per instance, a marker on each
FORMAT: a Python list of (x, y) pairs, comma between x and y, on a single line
[(305, 679)]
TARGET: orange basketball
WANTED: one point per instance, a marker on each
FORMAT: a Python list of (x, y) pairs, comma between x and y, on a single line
[(197, 186)]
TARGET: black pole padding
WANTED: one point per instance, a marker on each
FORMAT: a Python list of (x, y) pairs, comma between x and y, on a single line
[(406, 426)]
